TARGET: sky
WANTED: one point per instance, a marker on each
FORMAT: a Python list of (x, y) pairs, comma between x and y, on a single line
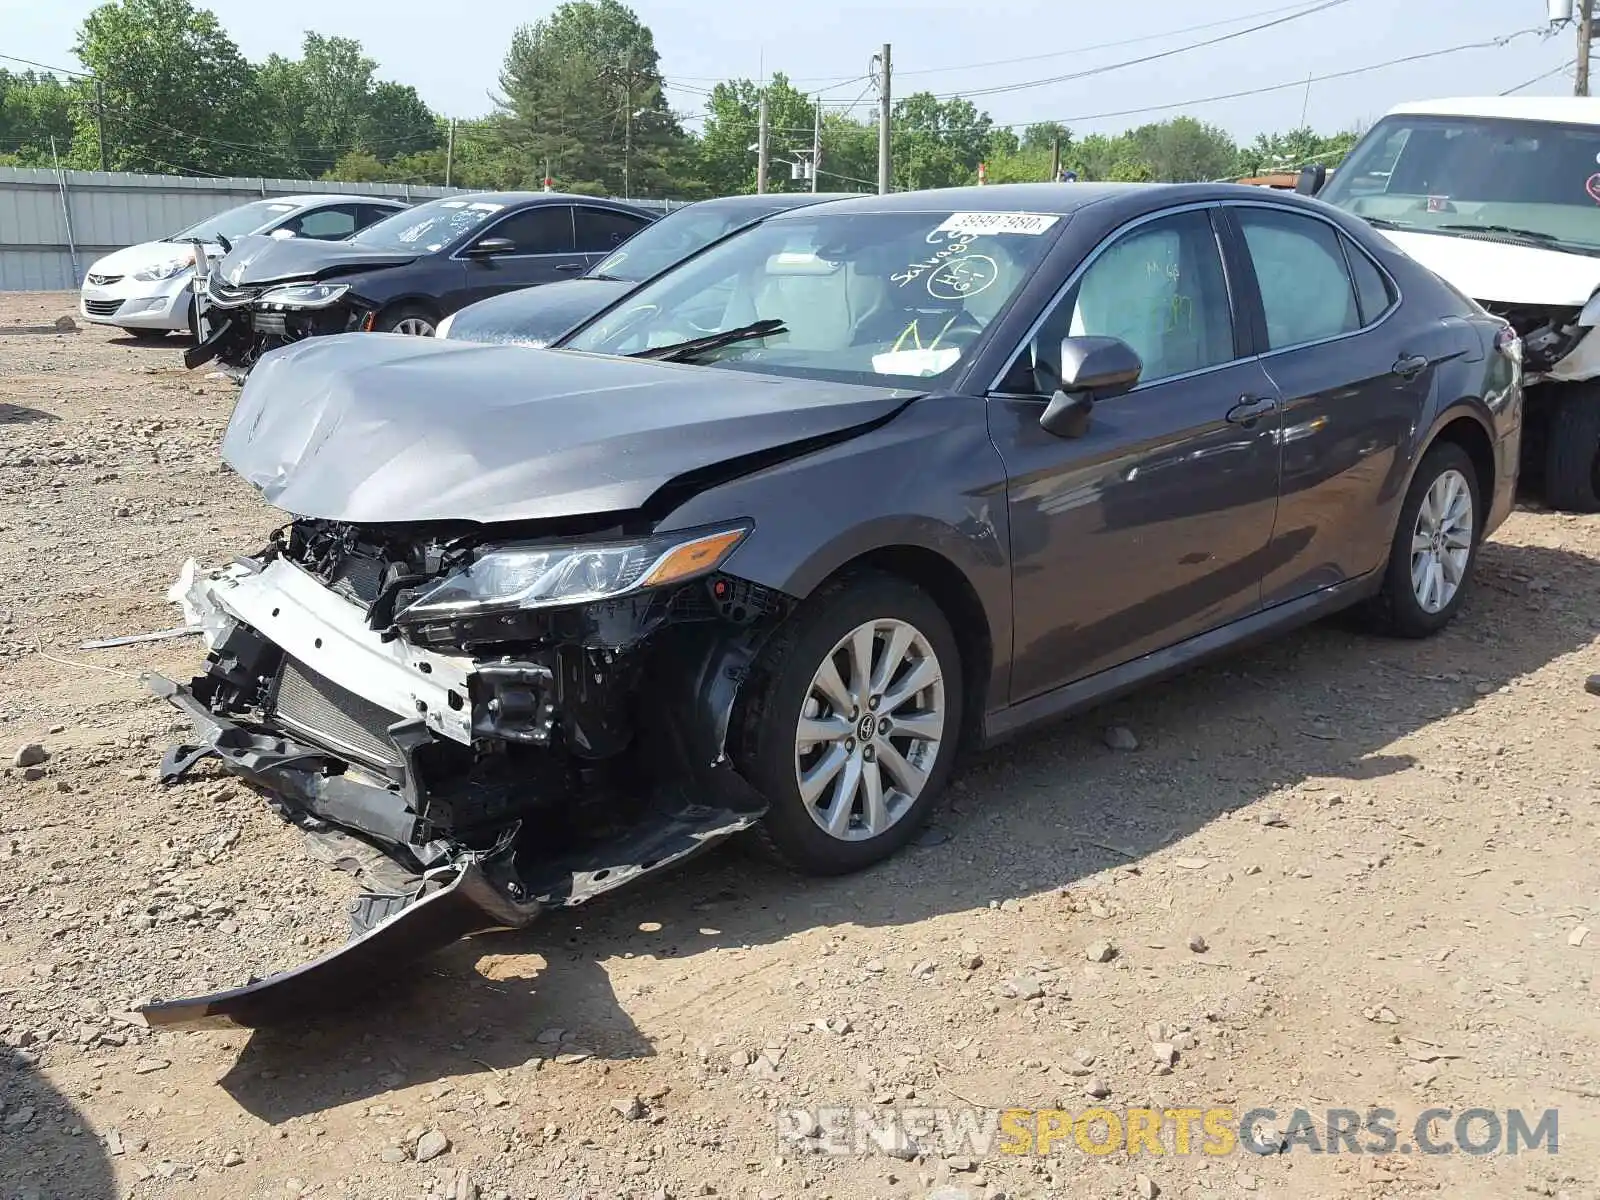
[(452, 54)]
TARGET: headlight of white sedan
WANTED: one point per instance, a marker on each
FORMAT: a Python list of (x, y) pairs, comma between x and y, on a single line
[(165, 270)]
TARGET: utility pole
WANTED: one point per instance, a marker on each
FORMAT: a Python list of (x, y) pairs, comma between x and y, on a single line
[(885, 110), (816, 145), (449, 151), (100, 121), (1580, 86), (627, 133), (1055, 159), (761, 145)]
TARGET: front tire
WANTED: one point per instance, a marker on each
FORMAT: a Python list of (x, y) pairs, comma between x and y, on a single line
[(850, 723), (146, 335), (1572, 451), (412, 319), (1435, 547)]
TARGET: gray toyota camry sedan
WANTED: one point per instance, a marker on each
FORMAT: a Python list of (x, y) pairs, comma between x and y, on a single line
[(768, 542)]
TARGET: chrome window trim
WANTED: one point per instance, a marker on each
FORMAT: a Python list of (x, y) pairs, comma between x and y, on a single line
[(1106, 243), (1344, 238)]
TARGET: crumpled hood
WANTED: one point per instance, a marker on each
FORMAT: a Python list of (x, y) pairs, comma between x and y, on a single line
[(372, 428), (136, 258), (1502, 272), (536, 315), (258, 259)]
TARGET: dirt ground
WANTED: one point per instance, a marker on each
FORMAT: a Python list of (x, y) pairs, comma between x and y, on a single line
[(1387, 848)]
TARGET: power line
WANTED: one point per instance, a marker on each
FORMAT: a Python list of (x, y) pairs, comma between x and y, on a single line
[(841, 80), (1566, 66), (28, 62), (1000, 89), (1278, 87)]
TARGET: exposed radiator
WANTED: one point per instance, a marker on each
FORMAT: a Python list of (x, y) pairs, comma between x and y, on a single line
[(331, 716)]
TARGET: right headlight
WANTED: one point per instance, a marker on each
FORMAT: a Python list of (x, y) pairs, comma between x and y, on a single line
[(165, 270), (515, 577), (305, 295)]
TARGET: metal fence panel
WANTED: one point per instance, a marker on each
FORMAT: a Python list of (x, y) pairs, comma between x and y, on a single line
[(110, 209)]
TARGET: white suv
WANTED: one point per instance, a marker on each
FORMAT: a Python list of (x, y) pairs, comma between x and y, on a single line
[(1500, 197), (148, 289)]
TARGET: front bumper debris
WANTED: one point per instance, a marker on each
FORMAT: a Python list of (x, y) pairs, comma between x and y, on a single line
[(454, 902), (467, 848)]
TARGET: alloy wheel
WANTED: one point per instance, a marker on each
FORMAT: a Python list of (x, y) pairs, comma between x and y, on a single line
[(1441, 543), (870, 729), (415, 327)]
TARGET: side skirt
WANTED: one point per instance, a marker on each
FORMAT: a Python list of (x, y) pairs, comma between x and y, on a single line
[(1115, 681)]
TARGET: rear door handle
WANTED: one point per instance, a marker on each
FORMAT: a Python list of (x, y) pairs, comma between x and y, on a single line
[(1250, 409), (1408, 366)]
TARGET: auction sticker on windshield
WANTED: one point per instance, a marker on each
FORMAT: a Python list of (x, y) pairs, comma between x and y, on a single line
[(998, 222)]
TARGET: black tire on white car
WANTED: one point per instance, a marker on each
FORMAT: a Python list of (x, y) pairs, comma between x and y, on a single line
[(146, 335), (849, 723), (1572, 450), (1435, 547)]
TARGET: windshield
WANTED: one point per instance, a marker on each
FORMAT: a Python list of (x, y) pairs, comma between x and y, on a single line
[(672, 239), (863, 297), (237, 222), (1458, 175), (427, 227)]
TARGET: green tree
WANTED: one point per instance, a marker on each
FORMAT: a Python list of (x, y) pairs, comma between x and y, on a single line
[(733, 115), (34, 107), (178, 94), (1184, 150), (328, 102), (582, 92), (939, 143), (1293, 149)]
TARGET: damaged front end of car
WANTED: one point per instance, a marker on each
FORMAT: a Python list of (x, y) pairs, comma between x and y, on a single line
[(236, 324), (503, 720)]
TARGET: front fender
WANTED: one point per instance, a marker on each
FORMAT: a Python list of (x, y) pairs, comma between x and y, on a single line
[(929, 479)]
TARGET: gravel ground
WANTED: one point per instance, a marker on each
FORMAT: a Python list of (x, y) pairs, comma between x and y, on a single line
[(1343, 873)]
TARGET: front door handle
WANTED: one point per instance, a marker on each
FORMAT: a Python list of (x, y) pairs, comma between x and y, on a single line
[(568, 268), (1251, 409), (1409, 366)]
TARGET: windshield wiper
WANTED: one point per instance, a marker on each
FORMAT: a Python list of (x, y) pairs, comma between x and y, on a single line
[(607, 278), (1531, 235), (683, 351), (1385, 223)]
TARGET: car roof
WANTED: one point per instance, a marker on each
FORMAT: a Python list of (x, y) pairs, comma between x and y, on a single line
[(769, 201), (508, 198), (310, 198), (1060, 199), (1574, 110)]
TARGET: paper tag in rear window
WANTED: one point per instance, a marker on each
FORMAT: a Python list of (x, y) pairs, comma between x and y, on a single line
[(978, 223)]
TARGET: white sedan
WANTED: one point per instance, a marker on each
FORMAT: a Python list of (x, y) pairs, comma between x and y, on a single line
[(148, 289)]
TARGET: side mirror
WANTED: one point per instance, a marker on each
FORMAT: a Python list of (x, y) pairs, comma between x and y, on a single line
[(1311, 179), (282, 234), (1092, 368), (490, 247)]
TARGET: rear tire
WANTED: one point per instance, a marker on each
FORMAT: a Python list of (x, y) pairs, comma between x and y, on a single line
[(843, 797), (1433, 554), (1572, 451), (411, 319)]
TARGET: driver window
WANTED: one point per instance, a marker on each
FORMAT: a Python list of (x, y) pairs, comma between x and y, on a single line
[(1160, 288)]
